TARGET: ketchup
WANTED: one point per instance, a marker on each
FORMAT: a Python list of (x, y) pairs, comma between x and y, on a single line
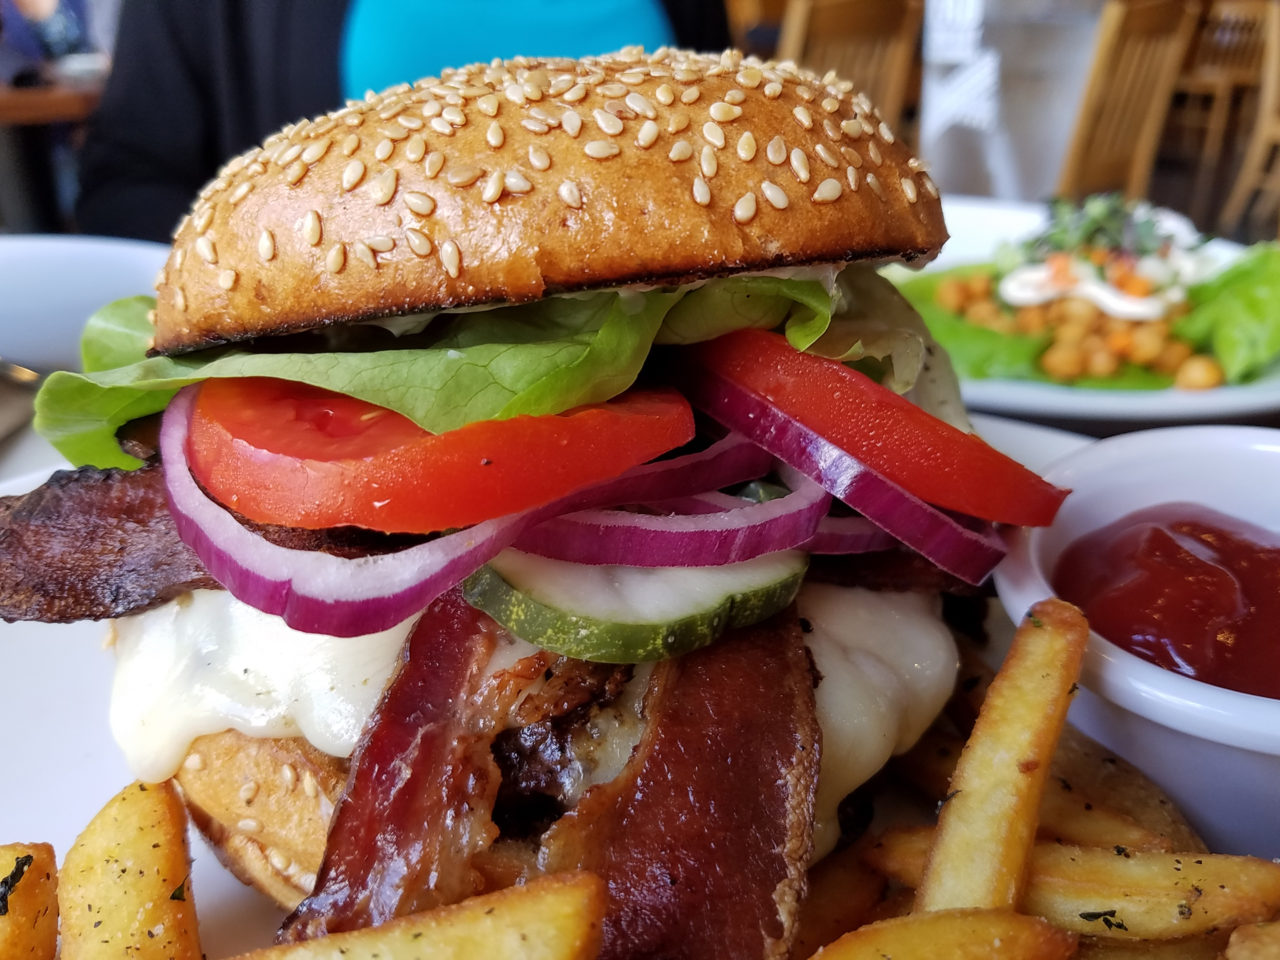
[(1186, 587)]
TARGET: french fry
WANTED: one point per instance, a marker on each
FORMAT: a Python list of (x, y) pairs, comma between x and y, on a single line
[(988, 824), (954, 935), (1117, 894), (1208, 946), (551, 918), (28, 901), (123, 890), (1066, 813), (844, 893), (1254, 941)]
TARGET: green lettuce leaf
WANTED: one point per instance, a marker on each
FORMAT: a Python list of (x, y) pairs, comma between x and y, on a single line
[(1235, 315), (706, 312), (537, 358)]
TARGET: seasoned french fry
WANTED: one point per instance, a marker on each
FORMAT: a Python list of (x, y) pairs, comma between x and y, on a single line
[(954, 935), (843, 893), (1066, 812), (552, 918), (28, 901), (1208, 946), (123, 890), (988, 824), (1118, 893), (1254, 941)]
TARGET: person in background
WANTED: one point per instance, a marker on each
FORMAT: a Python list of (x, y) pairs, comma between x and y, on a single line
[(43, 30), (194, 84)]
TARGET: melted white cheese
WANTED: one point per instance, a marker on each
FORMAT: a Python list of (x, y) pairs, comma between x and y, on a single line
[(207, 663), (888, 664)]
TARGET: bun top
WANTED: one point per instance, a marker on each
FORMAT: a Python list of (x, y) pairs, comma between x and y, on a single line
[(512, 180)]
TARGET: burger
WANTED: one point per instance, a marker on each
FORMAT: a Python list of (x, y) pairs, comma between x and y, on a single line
[(544, 479)]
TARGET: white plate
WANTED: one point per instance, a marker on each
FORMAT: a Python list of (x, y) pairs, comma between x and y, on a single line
[(52, 283), (978, 226), (60, 764)]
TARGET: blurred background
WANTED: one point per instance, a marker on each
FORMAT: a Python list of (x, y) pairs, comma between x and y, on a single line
[(1019, 100)]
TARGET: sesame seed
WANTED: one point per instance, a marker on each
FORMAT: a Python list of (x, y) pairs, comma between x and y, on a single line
[(885, 133), (336, 259), (395, 134), (194, 761), (266, 245), (734, 97), (680, 151), (607, 122), (539, 159), (288, 155), (364, 253), (747, 147), (677, 122), (350, 144), (611, 90), (495, 136), (773, 90), (831, 128), (454, 116), (316, 150), (805, 94), (241, 192), (873, 152), (874, 183), (432, 165), (776, 196), (851, 174), (442, 126), (352, 174), (631, 77), (830, 104), (451, 258), (800, 165), (568, 192), (640, 104), (489, 105), (288, 775), (723, 112), (205, 250), (665, 95), (383, 187), (463, 176), (410, 122), (249, 825), (852, 155), (749, 77), (601, 149), (713, 134), (648, 135), (571, 122), (432, 108), (929, 186), (560, 84), (575, 93), (415, 149), (491, 191), (851, 128), (701, 192), (776, 151), (690, 95), (309, 226), (744, 210), (909, 190), (418, 242), (803, 117), (514, 181), (707, 161), (384, 149), (829, 190), (202, 218), (826, 156), (248, 791)]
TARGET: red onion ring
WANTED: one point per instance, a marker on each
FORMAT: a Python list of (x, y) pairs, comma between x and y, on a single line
[(318, 593), (704, 538), (968, 552)]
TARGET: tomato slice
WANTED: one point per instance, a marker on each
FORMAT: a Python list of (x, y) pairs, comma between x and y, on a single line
[(937, 462), (286, 453)]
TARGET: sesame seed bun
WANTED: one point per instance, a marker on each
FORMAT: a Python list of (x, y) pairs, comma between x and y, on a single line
[(264, 806), (509, 181)]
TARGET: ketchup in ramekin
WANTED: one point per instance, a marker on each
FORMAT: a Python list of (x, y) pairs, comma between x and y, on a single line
[(1186, 587)]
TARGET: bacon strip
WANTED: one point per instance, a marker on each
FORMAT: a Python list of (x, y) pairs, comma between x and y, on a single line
[(91, 544), (705, 837)]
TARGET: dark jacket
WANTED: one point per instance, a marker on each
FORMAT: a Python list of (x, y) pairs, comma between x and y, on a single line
[(196, 82)]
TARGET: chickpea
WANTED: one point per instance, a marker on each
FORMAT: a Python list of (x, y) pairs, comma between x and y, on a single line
[(1173, 355), (1099, 359), (1078, 310), (1070, 331), (987, 313), (1199, 372), (980, 286), (1063, 361), (952, 295), (1147, 342), (1032, 319)]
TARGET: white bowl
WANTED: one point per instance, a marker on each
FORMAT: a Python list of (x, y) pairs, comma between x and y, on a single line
[(1215, 751)]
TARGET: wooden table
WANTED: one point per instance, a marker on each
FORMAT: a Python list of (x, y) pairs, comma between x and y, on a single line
[(50, 103)]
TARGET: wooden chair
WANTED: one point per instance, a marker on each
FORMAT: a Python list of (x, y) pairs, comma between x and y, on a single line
[(1258, 181), (1224, 62), (871, 42), (1137, 55)]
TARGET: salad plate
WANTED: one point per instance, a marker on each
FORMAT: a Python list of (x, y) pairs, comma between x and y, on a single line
[(979, 227)]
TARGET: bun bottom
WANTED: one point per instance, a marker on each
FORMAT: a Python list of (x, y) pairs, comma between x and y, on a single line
[(264, 806)]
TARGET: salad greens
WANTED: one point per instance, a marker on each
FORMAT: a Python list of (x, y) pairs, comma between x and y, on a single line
[(1235, 315), (536, 358)]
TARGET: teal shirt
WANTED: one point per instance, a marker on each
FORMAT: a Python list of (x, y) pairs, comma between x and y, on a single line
[(386, 42)]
